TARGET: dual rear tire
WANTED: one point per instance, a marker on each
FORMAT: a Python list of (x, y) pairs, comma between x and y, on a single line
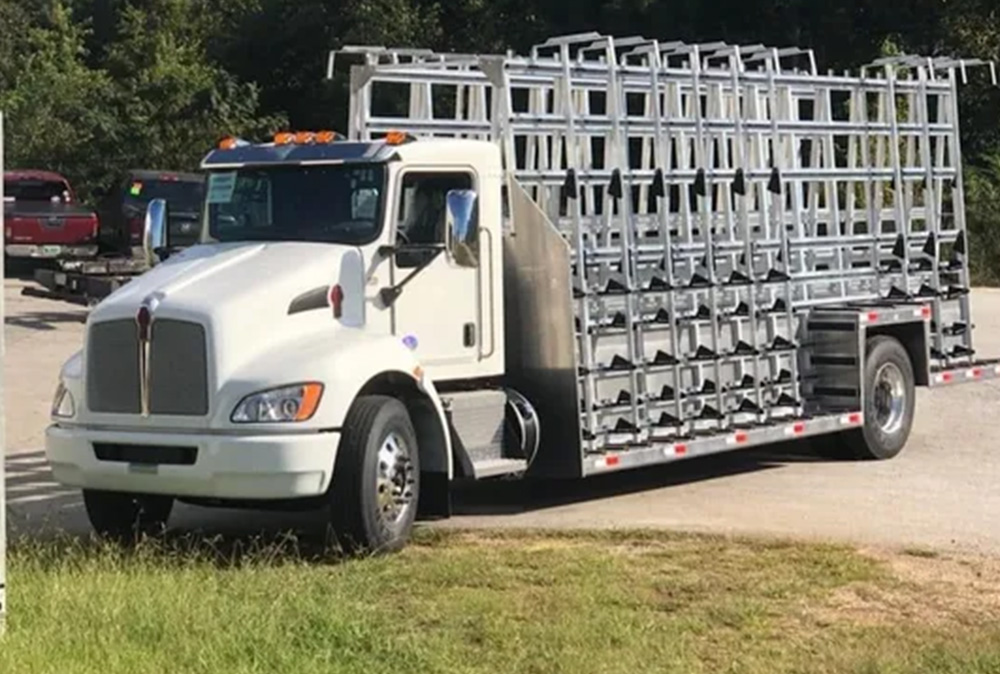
[(889, 407)]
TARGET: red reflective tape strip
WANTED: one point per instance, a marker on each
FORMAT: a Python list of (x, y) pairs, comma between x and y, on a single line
[(926, 312), (680, 450), (612, 461), (799, 428), (873, 316), (740, 438), (854, 418), (976, 373), (946, 377)]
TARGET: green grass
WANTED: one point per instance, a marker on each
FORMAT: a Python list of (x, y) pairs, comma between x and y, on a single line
[(474, 602)]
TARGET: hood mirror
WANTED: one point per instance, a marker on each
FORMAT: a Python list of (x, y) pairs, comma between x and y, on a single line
[(154, 234)]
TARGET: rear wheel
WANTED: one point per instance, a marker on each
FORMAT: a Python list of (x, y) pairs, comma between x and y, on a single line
[(890, 404), (127, 517), (376, 479)]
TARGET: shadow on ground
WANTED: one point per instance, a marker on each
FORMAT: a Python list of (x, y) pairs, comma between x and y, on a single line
[(45, 320), (40, 508)]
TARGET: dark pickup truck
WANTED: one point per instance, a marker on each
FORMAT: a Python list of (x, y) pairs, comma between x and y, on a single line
[(123, 211), (43, 219)]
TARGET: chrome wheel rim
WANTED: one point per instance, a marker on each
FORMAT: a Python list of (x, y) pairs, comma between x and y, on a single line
[(889, 398), (394, 480)]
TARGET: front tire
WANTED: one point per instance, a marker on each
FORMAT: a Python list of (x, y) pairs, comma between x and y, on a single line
[(376, 478), (126, 517)]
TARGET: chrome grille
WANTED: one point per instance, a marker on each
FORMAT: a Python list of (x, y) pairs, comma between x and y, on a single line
[(178, 368)]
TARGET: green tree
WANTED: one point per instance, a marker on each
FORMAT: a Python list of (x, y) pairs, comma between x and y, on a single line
[(55, 105), (173, 104)]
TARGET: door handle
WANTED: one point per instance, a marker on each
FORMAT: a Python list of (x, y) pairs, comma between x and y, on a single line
[(469, 334)]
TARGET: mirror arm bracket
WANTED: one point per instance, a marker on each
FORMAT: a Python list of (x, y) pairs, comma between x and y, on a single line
[(389, 294)]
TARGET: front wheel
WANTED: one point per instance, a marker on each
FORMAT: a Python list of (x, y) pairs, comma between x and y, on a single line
[(126, 517), (376, 478)]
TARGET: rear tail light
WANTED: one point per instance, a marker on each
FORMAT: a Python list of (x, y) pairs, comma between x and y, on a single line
[(135, 226)]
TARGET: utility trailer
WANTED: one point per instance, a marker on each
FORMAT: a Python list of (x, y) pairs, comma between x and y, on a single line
[(608, 253), (85, 282)]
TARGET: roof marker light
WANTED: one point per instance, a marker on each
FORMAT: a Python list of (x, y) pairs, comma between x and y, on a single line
[(397, 138), (283, 138), (327, 137), (304, 137)]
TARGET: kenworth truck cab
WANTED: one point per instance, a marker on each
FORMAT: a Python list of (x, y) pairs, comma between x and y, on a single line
[(298, 352)]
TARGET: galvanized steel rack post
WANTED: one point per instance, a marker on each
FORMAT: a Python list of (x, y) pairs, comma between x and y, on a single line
[(713, 197)]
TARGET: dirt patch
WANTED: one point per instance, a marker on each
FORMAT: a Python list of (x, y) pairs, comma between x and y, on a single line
[(937, 591)]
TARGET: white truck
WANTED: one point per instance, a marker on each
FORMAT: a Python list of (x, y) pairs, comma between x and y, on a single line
[(606, 254)]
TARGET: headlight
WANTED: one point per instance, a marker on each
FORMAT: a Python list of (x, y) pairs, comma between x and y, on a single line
[(62, 405), (290, 403)]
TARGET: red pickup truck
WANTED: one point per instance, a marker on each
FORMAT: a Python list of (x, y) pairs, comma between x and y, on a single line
[(42, 219)]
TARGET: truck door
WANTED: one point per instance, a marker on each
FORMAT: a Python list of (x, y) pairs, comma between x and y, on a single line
[(438, 310)]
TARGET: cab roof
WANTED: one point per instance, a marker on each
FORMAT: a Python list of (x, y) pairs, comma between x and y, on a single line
[(32, 174), (343, 152)]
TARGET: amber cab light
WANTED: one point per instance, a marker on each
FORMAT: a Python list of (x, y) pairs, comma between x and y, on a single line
[(283, 138), (396, 138)]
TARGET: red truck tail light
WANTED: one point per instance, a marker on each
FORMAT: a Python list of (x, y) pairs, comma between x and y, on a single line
[(135, 226)]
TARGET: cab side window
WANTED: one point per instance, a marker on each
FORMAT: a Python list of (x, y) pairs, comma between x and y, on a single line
[(422, 213)]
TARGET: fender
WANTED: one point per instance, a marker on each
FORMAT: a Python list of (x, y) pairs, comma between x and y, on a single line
[(345, 361)]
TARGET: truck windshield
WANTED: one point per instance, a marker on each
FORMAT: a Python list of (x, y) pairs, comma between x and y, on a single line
[(330, 204), (184, 196)]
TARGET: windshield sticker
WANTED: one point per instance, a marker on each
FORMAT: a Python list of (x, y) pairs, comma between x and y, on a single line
[(220, 187), (136, 189)]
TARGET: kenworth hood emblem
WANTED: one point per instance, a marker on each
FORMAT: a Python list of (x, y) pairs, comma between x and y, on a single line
[(144, 330)]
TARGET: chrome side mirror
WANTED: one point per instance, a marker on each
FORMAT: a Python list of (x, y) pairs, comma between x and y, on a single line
[(463, 226), (154, 233)]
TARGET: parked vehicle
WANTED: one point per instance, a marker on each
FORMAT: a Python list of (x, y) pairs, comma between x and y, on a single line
[(122, 216), (43, 220), (619, 254), (123, 211)]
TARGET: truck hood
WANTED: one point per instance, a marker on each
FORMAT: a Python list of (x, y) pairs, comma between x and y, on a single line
[(241, 292)]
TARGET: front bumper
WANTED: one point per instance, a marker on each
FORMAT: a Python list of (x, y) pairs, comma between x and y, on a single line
[(50, 251), (224, 466)]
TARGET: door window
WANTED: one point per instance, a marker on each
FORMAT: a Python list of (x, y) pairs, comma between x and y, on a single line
[(428, 203)]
